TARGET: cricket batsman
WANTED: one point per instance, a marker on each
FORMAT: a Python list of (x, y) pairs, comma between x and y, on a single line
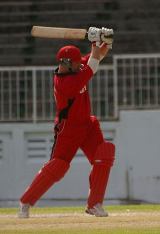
[(75, 127)]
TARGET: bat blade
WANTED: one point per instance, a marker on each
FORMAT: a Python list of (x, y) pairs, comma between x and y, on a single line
[(58, 33)]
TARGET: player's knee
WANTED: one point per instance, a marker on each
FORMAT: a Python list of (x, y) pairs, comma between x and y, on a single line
[(105, 153), (55, 168)]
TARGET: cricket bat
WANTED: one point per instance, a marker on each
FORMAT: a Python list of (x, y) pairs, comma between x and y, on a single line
[(58, 33)]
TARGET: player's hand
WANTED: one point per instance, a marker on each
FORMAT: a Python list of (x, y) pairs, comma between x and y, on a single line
[(107, 36), (94, 34)]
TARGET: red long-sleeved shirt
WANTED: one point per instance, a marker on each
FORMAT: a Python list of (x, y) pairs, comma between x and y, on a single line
[(71, 95)]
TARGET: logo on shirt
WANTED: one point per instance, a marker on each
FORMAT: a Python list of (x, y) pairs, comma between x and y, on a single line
[(83, 90)]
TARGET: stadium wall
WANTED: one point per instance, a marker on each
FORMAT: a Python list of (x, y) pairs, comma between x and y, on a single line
[(135, 176)]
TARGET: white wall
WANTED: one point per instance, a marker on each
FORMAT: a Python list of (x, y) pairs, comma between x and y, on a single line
[(135, 175), (138, 138)]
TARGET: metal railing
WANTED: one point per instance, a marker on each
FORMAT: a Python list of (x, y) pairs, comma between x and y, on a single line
[(138, 80), (26, 94), (132, 82)]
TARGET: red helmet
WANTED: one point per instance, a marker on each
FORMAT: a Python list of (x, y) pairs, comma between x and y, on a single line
[(69, 52)]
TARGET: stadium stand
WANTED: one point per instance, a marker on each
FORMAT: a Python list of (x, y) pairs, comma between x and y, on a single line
[(136, 25)]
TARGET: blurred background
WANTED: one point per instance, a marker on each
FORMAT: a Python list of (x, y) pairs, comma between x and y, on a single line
[(125, 95)]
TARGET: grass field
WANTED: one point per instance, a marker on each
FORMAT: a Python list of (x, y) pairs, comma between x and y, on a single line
[(123, 219)]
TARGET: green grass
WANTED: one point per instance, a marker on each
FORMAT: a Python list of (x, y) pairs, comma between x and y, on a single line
[(123, 219), (110, 208)]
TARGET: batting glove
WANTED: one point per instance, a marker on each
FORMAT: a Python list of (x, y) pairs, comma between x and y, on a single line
[(94, 35), (107, 36)]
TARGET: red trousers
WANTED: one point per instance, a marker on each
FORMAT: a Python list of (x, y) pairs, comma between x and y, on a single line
[(69, 138)]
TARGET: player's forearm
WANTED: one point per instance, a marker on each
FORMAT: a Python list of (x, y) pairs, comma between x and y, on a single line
[(95, 52), (94, 58), (103, 50)]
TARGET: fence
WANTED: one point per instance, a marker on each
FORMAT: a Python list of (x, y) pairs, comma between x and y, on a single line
[(138, 81), (132, 82), (26, 94)]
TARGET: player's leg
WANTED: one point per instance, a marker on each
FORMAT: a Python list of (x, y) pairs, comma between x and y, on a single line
[(64, 150), (99, 176), (50, 173), (101, 155)]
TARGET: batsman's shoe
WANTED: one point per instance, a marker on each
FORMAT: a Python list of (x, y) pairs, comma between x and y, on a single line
[(24, 211), (97, 211)]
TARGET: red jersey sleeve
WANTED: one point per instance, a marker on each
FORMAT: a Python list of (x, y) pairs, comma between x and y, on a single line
[(85, 59)]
